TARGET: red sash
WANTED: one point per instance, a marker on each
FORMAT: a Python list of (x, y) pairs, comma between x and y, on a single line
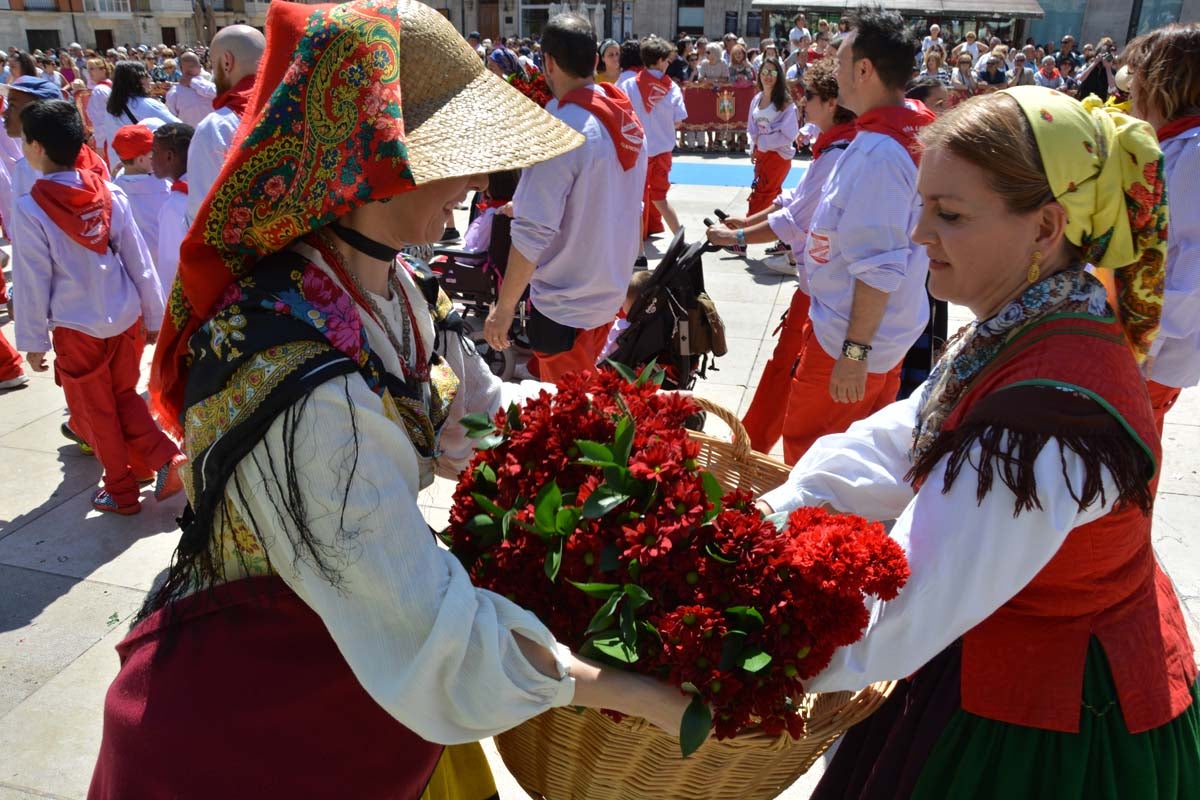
[(902, 123), (180, 186), (237, 98), (838, 133), (612, 107), (1178, 126), (82, 212), (653, 89)]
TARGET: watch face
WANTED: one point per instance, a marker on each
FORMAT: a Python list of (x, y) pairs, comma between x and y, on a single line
[(854, 351)]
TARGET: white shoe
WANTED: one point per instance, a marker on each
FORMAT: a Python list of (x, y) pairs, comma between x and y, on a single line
[(14, 383), (780, 265)]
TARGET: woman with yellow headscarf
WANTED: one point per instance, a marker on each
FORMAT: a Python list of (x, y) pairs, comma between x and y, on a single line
[(1041, 650)]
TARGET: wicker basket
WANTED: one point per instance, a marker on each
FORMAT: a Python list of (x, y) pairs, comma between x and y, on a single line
[(564, 754)]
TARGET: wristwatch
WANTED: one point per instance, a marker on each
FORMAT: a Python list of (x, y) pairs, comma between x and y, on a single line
[(855, 351)]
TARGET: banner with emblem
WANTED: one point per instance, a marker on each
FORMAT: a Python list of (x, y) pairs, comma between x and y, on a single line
[(712, 107)]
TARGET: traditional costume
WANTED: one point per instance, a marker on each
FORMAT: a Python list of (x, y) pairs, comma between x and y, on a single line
[(583, 268), (84, 282), (1047, 650), (315, 412), (860, 232), (772, 134), (212, 140), (764, 417), (658, 102), (192, 103), (1177, 348), (147, 194)]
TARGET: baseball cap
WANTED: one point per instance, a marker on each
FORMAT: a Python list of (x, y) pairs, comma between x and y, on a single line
[(40, 88), (473, 35), (132, 141)]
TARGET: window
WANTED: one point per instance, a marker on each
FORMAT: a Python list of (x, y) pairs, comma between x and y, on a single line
[(1155, 14), (691, 16), (170, 37), (754, 23), (43, 40), (731, 22)]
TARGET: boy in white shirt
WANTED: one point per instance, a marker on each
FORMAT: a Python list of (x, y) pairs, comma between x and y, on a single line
[(86, 285), (169, 161), (147, 194)]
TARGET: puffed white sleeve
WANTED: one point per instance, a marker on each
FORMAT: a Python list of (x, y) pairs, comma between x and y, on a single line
[(860, 471), (968, 557), (432, 649)]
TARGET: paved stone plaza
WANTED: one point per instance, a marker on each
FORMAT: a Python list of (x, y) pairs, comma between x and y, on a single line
[(70, 578)]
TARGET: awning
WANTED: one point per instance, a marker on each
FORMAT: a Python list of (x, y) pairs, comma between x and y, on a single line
[(976, 9)]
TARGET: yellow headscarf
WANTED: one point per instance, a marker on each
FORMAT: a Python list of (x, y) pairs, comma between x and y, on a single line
[(1106, 169)]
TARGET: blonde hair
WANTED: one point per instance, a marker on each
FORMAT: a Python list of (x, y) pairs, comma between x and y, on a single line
[(169, 63), (1163, 66), (933, 55), (100, 63)]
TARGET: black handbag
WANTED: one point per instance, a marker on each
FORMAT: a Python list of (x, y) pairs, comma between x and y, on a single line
[(547, 336)]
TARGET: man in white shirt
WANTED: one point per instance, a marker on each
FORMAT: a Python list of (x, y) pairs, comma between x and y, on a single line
[(234, 55), (169, 161), (799, 31), (576, 217), (191, 99), (865, 276)]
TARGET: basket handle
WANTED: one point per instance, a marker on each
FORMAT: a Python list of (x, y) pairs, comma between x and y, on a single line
[(741, 439)]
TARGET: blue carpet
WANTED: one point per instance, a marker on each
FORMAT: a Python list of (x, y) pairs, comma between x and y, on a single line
[(728, 174)]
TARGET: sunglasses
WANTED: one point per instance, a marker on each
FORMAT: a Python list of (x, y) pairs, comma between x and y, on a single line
[(774, 73)]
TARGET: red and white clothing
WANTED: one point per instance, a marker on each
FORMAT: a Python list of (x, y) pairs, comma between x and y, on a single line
[(192, 103), (172, 228), (106, 125), (206, 155), (147, 195), (576, 216), (796, 206), (1177, 348), (771, 129), (667, 109)]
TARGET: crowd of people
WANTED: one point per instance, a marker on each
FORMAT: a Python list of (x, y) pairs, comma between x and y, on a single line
[(312, 379)]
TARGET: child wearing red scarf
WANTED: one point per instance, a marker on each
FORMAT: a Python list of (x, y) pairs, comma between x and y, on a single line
[(85, 283)]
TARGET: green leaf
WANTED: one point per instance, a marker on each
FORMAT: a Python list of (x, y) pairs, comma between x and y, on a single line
[(603, 618), (485, 503), (712, 490), (553, 558), (481, 523), (693, 731), (514, 417), (754, 660), (714, 552), (566, 520), (506, 522), (545, 508), (619, 479), (613, 646), (602, 501), (489, 441), (485, 473), (477, 425), (623, 441), (594, 453), (629, 634), (746, 618), (648, 373), (638, 596), (635, 568), (610, 557), (597, 590), (622, 370), (731, 650)]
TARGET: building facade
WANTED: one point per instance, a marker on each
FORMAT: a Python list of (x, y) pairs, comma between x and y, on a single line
[(100, 24)]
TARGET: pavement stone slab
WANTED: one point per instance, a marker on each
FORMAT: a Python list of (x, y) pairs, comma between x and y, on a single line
[(33, 483)]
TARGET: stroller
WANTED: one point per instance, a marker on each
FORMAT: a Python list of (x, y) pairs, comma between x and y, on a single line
[(674, 322)]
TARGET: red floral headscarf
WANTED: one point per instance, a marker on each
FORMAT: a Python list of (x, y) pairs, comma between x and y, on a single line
[(323, 135)]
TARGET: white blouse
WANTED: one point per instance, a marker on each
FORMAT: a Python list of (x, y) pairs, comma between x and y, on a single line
[(433, 650), (967, 558)]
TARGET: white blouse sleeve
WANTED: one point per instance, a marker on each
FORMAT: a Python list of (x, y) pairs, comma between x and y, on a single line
[(967, 559), (433, 650), (860, 471)]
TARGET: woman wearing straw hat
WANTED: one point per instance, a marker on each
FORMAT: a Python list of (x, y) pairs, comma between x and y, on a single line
[(310, 639), (1047, 650)]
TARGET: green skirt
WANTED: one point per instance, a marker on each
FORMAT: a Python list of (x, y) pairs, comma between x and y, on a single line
[(980, 758)]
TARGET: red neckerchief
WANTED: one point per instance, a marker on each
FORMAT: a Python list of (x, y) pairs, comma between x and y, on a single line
[(237, 98), (902, 123), (844, 132), (1178, 126), (82, 212), (612, 107), (487, 203), (652, 89), (1053, 74), (90, 161), (179, 186)]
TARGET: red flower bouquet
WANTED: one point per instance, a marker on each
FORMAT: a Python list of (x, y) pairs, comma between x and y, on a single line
[(532, 86), (588, 508)]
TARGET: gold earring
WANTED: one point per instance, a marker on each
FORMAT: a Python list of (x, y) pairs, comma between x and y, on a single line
[(1035, 267)]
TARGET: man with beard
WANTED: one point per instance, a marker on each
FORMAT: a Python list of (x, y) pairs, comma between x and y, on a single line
[(234, 56)]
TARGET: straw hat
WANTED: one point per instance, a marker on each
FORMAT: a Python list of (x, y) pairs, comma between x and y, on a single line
[(460, 118)]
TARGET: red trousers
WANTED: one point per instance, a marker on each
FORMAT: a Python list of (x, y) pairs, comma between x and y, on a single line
[(10, 360), (770, 171), (99, 378), (1161, 400), (658, 183), (813, 413), (764, 418), (588, 345)]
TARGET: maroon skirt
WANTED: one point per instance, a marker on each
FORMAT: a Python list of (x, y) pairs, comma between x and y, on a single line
[(247, 696)]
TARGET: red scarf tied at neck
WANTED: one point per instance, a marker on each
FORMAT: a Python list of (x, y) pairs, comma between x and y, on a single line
[(652, 89), (611, 106), (82, 212), (237, 98), (838, 133), (1178, 126), (901, 123)]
